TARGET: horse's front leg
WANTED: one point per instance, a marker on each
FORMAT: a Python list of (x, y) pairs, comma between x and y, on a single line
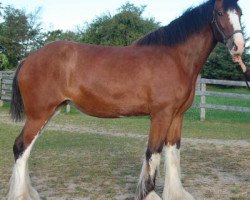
[(159, 126), (173, 189)]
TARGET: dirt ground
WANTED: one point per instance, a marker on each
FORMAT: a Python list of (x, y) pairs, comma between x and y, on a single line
[(211, 170)]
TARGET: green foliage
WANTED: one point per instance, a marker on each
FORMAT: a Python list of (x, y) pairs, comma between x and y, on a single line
[(221, 66), (121, 29), (4, 63), (56, 35), (19, 33)]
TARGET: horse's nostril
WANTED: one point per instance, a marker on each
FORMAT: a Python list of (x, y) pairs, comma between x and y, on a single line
[(236, 47)]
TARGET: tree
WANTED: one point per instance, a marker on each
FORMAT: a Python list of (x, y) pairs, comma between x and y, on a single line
[(4, 63), (121, 29), (1, 9), (19, 33), (221, 66), (56, 35)]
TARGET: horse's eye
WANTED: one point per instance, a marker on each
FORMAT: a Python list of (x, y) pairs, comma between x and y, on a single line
[(220, 13)]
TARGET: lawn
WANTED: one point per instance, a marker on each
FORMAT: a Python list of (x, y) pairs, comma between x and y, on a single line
[(68, 162), (85, 165)]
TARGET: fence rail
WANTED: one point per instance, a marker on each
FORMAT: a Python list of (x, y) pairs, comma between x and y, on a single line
[(6, 78), (222, 94), (203, 93), (222, 82)]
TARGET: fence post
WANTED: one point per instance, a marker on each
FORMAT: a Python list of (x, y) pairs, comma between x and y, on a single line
[(198, 84), (1, 101), (203, 102), (68, 108)]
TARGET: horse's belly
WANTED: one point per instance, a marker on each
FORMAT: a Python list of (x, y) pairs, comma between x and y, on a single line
[(101, 104)]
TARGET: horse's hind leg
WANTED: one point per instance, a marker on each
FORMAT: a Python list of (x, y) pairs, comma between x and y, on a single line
[(20, 187), (173, 189)]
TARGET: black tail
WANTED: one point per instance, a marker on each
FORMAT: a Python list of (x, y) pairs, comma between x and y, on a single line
[(16, 106)]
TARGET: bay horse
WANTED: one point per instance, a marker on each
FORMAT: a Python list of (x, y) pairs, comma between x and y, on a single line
[(155, 76)]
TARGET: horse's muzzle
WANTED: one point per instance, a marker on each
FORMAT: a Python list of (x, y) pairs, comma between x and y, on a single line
[(236, 44)]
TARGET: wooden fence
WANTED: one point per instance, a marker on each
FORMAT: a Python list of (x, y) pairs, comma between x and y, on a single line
[(203, 93), (7, 77)]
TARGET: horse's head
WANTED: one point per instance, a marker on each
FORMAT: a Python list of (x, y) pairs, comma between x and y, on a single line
[(227, 26)]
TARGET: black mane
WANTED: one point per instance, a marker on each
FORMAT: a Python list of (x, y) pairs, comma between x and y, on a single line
[(230, 4), (191, 22)]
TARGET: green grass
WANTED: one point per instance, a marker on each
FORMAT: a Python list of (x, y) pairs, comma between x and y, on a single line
[(218, 125), (240, 90), (88, 160), (5, 108), (78, 165), (227, 101)]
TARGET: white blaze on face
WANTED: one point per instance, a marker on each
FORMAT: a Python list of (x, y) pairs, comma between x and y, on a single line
[(238, 37)]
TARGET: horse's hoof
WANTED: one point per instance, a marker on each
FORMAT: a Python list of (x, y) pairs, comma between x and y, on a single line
[(152, 196), (183, 195)]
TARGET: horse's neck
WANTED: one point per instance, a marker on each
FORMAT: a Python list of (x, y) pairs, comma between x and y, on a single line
[(196, 50)]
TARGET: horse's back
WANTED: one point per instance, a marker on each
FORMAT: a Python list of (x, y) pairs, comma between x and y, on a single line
[(87, 75), (102, 81)]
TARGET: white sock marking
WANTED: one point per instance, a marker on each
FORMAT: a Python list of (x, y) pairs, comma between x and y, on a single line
[(154, 163), (173, 189), (20, 187)]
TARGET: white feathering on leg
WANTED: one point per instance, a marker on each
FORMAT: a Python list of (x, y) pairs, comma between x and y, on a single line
[(154, 163), (20, 187), (173, 189)]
